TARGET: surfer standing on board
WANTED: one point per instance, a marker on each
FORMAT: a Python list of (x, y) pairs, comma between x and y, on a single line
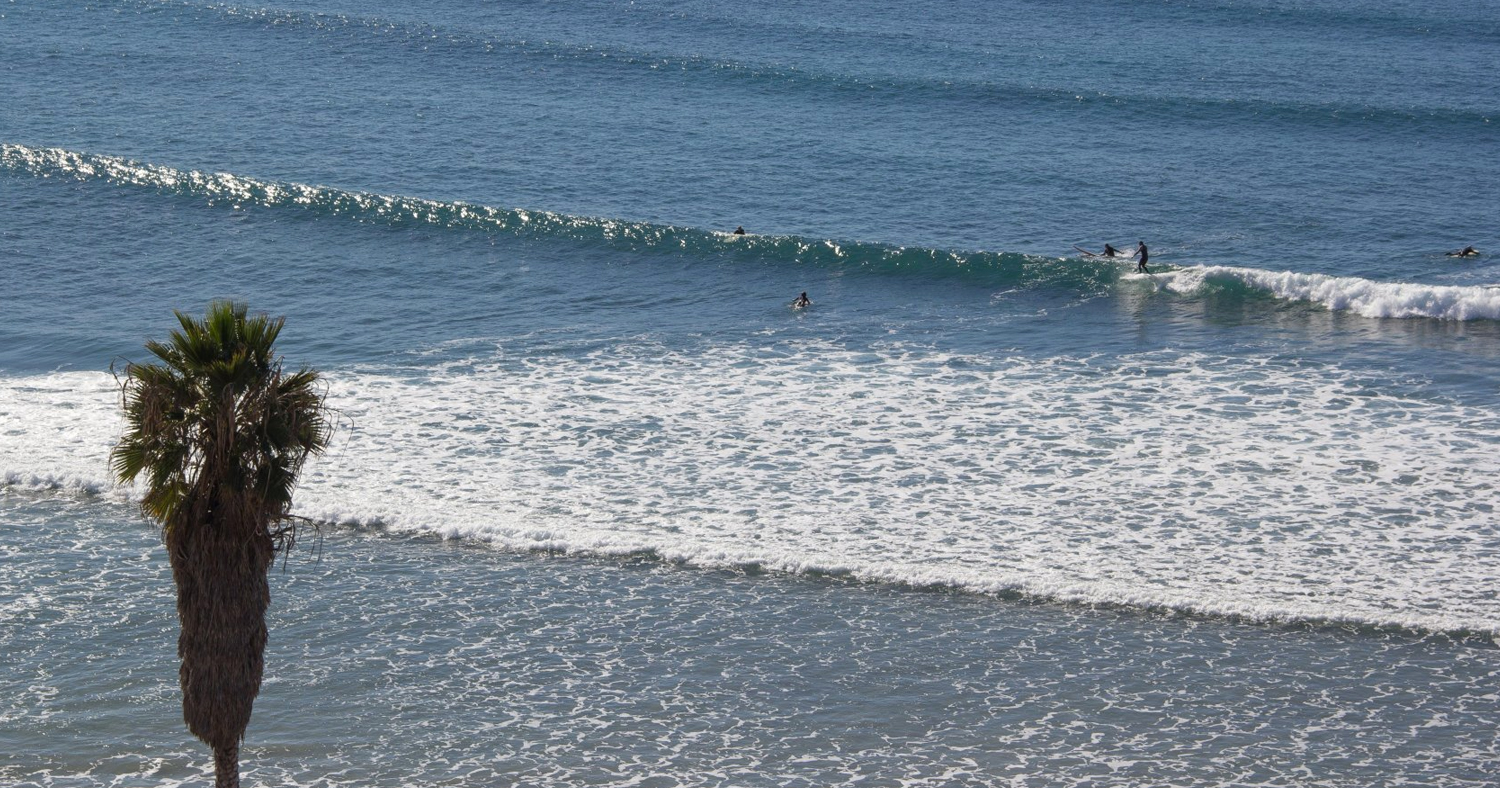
[(1140, 251)]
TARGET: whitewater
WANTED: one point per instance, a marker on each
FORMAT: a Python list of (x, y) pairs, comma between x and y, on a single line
[(1253, 491)]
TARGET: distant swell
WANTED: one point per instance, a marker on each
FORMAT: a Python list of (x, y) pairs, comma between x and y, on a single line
[(897, 87)]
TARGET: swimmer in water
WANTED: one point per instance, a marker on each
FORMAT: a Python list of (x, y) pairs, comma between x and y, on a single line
[(802, 301), (1467, 251), (1110, 251), (739, 231), (1140, 251)]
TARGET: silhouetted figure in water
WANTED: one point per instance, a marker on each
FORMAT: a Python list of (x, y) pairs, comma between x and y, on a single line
[(1467, 251), (1109, 251), (739, 231), (802, 301), (1140, 251)]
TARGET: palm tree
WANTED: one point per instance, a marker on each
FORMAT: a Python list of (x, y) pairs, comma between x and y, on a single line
[(220, 432)]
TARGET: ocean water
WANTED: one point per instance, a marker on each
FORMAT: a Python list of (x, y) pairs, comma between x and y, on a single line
[(604, 510)]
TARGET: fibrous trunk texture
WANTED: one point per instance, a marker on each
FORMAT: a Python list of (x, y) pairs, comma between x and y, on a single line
[(222, 596), (227, 767)]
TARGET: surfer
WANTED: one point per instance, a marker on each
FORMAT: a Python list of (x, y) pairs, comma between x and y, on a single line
[(802, 301), (1109, 251), (1467, 251), (1140, 251), (739, 231)]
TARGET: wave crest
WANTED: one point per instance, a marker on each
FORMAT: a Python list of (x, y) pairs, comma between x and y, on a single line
[(1361, 296), (227, 189), (1092, 275)]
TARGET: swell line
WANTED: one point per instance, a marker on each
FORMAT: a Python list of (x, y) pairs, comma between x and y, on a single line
[(864, 86), (1402, 23)]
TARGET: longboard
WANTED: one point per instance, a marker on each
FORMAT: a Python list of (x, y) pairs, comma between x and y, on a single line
[(1118, 255)]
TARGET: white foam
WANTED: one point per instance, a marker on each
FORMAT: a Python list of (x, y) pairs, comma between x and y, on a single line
[(1224, 486), (55, 431), (1348, 293)]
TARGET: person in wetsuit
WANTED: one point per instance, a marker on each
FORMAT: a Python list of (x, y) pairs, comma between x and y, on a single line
[(1110, 251), (802, 300), (1140, 251), (739, 231), (1467, 251)]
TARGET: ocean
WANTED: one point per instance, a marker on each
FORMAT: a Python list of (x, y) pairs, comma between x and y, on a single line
[(603, 509)]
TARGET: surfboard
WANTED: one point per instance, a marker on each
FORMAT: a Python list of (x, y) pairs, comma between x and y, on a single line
[(1118, 255)]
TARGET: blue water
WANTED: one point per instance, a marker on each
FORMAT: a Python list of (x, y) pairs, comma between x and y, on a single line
[(502, 233)]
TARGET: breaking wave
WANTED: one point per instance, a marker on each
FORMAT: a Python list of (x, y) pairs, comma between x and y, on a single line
[(1090, 275), (1344, 293)]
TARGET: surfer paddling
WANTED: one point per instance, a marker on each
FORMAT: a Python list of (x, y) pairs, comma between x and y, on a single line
[(802, 301), (1109, 251), (739, 231), (1140, 251), (1467, 251)]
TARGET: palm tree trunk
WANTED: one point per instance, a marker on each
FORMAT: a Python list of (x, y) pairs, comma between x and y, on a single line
[(227, 766), (222, 596)]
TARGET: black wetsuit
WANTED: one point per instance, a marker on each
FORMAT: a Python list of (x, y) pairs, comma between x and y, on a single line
[(1145, 255)]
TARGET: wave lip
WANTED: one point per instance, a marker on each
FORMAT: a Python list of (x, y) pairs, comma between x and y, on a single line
[(1346, 293)]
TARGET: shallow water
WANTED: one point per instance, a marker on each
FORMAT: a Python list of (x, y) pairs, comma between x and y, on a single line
[(392, 656)]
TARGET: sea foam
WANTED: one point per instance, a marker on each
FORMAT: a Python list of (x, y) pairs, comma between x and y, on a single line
[(1201, 484)]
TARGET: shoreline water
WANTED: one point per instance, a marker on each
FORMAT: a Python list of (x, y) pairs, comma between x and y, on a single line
[(485, 666)]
